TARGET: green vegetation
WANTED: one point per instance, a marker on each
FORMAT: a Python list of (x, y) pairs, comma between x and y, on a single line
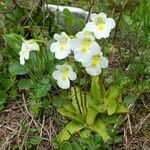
[(104, 112)]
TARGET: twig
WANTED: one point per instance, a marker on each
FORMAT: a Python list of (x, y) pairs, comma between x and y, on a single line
[(129, 123), (125, 137), (28, 110), (43, 122), (119, 18), (20, 6), (142, 122), (26, 134), (90, 10), (9, 10)]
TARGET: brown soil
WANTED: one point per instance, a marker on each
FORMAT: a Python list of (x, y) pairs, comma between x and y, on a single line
[(17, 128)]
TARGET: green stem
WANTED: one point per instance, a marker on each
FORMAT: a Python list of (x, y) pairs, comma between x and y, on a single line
[(82, 103), (101, 84), (75, 91)]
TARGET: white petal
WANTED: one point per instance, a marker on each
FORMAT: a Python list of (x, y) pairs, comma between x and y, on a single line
[(56, 74), (64, 34), (110, 23), (101, 34), (22, 60), (67, 66), (34, 46), (74, 44), (54, 47), (82, 57), (86, 63), (94, 48), (90, 26), (103, 15), (25, 54), (62, 54), (64, 84), (93, 71), (72, 75), (59, 67), (103, 62), (93, 16), (24, 46), (57, 37)]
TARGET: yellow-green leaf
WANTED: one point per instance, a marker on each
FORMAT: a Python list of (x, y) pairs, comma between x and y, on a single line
[(91, 115), (72, 128), (99, 127), (112, 105)]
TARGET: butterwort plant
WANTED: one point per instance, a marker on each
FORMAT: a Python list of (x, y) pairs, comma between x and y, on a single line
[(93, 109)]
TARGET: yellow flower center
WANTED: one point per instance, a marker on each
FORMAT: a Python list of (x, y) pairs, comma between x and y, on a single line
[(95, 60), (100, 26), (84, 45), (62, 47), (63, 42), (65, 74), (100, 23)]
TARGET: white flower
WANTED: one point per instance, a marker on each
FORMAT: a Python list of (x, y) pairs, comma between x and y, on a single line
[(61, 46), (84, 46), (63, 75), (27, 46), (101, 25), (94, 65)]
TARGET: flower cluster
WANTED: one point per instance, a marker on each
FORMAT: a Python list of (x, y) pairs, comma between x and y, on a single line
[(85, 49)]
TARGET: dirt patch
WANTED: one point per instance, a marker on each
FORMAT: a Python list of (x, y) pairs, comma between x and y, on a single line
[(19, 130), (136, 130)]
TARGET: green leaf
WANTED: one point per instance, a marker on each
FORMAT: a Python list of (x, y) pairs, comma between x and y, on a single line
[(25, 84), (68, 20), (3, 97), (112, 105), (71, 115), (99, 127), (91, 115), (35, 107), (17, 69), (76, 99), (121, 109), (77, 25), (35, 141), (112, 95), (6, 84), (65, 146), (129, 100), (100, 108), (14, 41), (112, 92), (109, 119), (96, 91), (75, 146), (85, 133), (1, 107), (42, 88), (72, 128), (128, 19)]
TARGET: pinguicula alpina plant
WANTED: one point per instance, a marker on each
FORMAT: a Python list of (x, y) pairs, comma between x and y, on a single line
[(95, 108)]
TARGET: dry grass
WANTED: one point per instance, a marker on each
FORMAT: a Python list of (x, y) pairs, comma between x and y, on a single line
[(12, 121), (136, 129)]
